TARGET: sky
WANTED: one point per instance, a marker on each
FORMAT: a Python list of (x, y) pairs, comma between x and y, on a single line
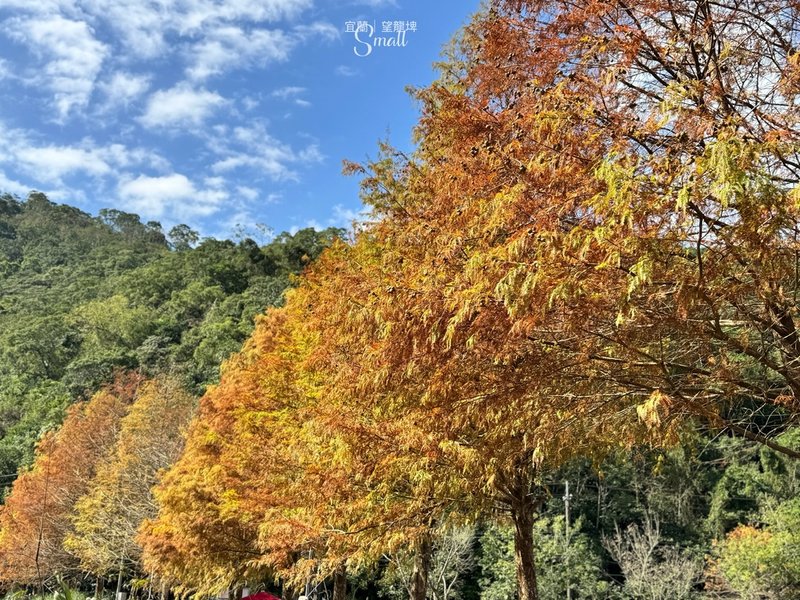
[(226, 115)]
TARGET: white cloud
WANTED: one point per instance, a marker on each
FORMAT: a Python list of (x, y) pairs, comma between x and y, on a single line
[(180, 106), (50, 163), (288, 91), (148, 29), (252, 147), (345, 217), (247, 193), (345, 71), (5, 70), (172, 195), (374, 3), (70, 58), (12, 186), (123, 88), (210, 37), (232, 47), (317, 31), (249, 103), (291, 92)]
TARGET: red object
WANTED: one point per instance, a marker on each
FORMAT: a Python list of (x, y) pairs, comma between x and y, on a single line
[(261, 596)]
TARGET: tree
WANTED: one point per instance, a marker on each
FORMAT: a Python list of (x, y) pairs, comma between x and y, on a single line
[(763, 561), (577, 563), (653, 569), (631, 150), (581, 235), (37, 515), (182, 237), (451, 559), (205, 537), (119, 498)]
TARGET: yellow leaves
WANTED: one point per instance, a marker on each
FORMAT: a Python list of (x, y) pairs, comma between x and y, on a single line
[(619, 179), (649, 412), (641, 272), (725, 160)]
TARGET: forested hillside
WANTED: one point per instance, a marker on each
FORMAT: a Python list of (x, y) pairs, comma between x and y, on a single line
[(83, 296)]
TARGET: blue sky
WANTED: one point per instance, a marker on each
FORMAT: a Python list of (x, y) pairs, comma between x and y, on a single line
[(215, 113)]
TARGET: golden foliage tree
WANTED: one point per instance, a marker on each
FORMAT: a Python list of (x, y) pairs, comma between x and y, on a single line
[(120, 497)]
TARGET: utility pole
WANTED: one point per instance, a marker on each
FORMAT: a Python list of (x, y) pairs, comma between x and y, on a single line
[(567, 498), (120, 594)]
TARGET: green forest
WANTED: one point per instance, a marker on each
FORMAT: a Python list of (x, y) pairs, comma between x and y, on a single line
[(557, 358)]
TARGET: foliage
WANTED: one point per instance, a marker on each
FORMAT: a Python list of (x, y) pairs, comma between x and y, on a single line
[(84, 296), (37, 515), (764, 562), (119, 497), (558, 563)]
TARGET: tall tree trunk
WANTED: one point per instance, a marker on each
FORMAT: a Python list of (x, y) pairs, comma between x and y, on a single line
[(422, 568), (522, 512), (99, 586), (340, 583), (517, 490)]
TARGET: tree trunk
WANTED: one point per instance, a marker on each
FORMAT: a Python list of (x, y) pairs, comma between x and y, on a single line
[(422, 567), (522, 513), (99, 586), (340, 583)]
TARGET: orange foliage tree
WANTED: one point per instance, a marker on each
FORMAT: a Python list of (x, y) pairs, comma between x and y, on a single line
[(120, 498), (600, 221), (622, 180), (270, 482), (205, 536), (37, 515)]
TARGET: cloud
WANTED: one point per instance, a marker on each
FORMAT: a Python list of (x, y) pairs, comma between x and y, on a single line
[(171, 195), (345, 71), (345, 217), (180, 106), (148, 30), (123, 89), (12, 186), (247, 193), (211, 37), (250, 103), (374, 3), (288, 91), (229, 47), (69, 57), (252, 147), (318, 30), (5, 69), (50, 163)]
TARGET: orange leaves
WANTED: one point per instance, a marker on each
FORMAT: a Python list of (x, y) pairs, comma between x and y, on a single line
[(120, 499), (37, 515)]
